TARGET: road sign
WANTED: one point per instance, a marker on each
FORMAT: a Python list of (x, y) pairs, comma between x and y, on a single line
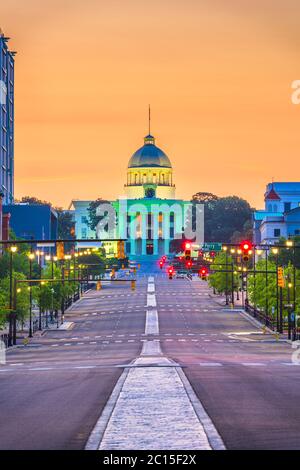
[(212, 247), (281, 280)]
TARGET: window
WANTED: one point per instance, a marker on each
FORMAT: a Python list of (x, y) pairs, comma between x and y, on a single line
[(276, 232), (84, 233), (287, 206), (84, 219), (297, 232)]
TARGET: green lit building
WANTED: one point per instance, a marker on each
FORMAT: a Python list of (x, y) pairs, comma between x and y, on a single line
[(149, 216)]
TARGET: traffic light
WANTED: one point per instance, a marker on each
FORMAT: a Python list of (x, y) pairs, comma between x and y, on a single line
[(171, 272), (189, 264), (161, 264), (187, 251), (246, 248), (203, 273)]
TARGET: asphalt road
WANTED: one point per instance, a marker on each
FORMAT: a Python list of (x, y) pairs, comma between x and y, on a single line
[(53, 390)]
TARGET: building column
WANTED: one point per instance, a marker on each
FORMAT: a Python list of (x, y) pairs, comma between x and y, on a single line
[(132, 232), (144, 233)]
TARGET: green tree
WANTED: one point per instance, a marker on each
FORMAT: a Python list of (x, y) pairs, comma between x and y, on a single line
[(220, 280), (93, 218), (226, 219)]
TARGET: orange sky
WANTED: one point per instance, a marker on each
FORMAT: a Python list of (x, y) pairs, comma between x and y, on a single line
[(217, 73)]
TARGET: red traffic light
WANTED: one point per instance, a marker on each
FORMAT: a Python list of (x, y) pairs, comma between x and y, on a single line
[(203, 271), (188, 246), (171, 270), (246, 245), (189, 264)]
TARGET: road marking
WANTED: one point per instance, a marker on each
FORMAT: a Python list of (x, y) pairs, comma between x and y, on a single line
[(252, 364), (151, 288), (210, 364), (151, 348), (151, 325), (151, 300), (161, 382)]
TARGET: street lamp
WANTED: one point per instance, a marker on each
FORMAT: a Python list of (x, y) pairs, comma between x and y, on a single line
[(12, 318), (31, 257)]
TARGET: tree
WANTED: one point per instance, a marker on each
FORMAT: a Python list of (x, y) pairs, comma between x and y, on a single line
[(66, 225), (94, 219), (226, 219), (219, 279), (204, 198), (226, 216), (31, 200), (286, 255), (259, 291)]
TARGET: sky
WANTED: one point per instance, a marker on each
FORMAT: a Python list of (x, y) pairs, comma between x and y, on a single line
[(217, 74)]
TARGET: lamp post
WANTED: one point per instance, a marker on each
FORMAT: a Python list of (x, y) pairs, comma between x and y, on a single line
[(39, 255), (31, 258), (12, 318), (275, 251), (267, 298)]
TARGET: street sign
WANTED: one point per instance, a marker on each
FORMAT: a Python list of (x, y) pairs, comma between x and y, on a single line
[(212, 247), (280, 274)]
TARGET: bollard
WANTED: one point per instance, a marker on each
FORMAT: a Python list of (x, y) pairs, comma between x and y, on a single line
[(99, 285), (277, 336), (231, 306), (264, 330), (132, 285)]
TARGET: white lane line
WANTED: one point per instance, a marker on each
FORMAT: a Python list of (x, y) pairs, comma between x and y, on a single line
[(151, 300), (151, 326), (210, 364), (151, 288), (84, 367), (253, 364), (151, 348), (135, 411)]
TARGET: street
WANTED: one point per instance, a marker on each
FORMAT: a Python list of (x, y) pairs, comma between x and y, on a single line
[(188, 357)]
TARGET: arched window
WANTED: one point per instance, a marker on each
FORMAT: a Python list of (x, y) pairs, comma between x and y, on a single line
[(270, 208), (135, 178)]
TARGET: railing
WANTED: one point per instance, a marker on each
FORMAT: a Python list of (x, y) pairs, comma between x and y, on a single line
[(267, 320)]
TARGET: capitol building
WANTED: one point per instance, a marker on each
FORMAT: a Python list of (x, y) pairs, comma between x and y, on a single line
[(148, 216)]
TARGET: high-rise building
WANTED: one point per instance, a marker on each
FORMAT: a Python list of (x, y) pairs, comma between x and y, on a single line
[(6, 121)]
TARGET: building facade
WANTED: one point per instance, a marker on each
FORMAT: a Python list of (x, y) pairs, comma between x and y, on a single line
[(281, 216), (32, 221), (6, 121), (149, 216)]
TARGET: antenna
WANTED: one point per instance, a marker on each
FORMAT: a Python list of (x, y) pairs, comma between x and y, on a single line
[(149, 120)]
